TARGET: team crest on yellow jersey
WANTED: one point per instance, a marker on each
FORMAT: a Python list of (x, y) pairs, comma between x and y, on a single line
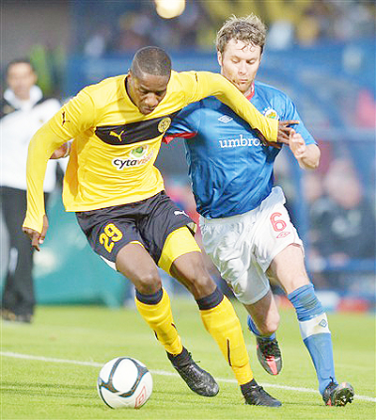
[(164, 124), (271, 113)]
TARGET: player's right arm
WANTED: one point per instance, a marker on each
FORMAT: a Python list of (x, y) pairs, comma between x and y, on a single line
[(203, 84), (73, 118)]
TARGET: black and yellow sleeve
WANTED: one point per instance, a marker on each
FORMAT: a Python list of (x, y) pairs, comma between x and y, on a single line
[(74, 117)]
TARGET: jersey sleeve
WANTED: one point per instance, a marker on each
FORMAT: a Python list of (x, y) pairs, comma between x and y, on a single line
[(74, 117), (185, 124), (199, 85), (292, 114)]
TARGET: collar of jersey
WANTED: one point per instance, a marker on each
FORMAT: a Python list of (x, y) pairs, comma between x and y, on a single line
[(250, 96)]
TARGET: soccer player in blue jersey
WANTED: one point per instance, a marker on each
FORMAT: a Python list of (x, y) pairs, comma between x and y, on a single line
[(246, 229)]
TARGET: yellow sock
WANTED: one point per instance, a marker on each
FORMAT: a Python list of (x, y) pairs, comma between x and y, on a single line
[(224, 325), (159, 317)]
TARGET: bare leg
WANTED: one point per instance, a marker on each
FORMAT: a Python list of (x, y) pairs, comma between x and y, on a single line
[(288, 268), (134, 262), (265, 314)]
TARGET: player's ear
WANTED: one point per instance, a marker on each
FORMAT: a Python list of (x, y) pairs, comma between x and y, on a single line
[(219, 58)]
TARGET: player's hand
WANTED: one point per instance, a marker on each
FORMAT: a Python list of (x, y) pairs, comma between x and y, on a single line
[(284, 130), (297, 145), (37, 238), (283, 136), (62, 151)]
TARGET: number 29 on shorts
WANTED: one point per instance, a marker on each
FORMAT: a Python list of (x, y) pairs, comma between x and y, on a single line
[(109, 236)]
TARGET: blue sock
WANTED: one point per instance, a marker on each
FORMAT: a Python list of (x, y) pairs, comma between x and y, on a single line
[(252, 327), (315, 332)]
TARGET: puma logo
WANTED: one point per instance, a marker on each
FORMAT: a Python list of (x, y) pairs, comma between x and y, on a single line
[(112, 133), (177, 212)]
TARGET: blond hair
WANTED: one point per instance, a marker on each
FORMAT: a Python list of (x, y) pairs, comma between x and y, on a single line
[(249, 29)]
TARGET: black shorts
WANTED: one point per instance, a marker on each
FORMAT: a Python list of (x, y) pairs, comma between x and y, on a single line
[(148, 222)]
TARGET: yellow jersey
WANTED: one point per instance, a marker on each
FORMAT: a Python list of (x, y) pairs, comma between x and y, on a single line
[(115, 146)]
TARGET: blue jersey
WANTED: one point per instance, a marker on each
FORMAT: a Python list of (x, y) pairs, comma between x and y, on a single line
[(230, 169)]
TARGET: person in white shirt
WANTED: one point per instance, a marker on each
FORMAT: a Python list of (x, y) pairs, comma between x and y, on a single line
[(23, 111)]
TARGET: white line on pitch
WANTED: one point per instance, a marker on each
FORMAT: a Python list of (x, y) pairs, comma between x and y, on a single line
[(160, 372)]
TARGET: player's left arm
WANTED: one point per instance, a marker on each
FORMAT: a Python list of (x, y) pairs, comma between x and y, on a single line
[(301, 142), (307, 155)]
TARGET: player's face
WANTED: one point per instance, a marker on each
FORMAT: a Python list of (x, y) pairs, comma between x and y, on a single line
[(147, 92), (20, 79), (239, 64)]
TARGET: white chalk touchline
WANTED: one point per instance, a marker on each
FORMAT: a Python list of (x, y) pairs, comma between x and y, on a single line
[(161, 372)]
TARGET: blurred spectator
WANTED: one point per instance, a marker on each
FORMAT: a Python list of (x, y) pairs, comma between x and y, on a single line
[(365, 109), (23, 111), (135, 29), (342, 220), (99, 42), (281, 35), (305, 23)]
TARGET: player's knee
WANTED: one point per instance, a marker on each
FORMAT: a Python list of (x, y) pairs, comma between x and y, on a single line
[(148, 282), (192, 273), (200, 284), (204, 285)]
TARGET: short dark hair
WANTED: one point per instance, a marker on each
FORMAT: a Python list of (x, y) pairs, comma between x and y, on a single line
[(151, 60), (19, 61)]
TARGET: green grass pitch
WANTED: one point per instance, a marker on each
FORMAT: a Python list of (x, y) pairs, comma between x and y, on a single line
[(49, 369)]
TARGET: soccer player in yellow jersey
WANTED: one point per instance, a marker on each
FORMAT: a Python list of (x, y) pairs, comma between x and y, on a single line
[(118, 196)]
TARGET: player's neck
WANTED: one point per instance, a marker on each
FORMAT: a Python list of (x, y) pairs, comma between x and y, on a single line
[(129, 90), (250, 92)]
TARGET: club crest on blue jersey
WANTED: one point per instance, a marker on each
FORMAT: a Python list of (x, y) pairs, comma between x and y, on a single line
[(271, 113)]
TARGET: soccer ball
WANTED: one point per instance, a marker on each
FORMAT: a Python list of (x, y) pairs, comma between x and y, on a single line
[(124, 383)]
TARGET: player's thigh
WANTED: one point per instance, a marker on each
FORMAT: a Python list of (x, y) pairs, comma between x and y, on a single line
[(135, 263), (119, 243), (230, 247), (288, 268), (274, 233), (159, 228), (108, 235), (181, 257)]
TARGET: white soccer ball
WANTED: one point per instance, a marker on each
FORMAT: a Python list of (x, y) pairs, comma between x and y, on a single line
[(124, 383)]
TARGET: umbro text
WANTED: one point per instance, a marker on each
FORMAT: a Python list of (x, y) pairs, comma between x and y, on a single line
[(240, 142)]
